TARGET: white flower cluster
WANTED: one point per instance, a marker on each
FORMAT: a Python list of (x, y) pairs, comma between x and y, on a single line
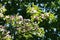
[(44, 16)]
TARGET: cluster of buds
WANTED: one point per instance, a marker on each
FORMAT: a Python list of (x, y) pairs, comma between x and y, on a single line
[(13, 19), (4, 33), (2, 28), (36, 14), (7, 37), (29, 27), (45, 16), (2, 9), (21, 25), (33, 9), (36, 19), (51, 17)]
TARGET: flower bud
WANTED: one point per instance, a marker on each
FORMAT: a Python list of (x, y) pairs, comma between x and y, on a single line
[(20, 17), (7, 16), (1, 15), (43, 16)]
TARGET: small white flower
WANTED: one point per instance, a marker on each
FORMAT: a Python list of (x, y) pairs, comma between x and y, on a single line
[(43, 16), (8, 36), (42, 28), (12, 17), (8, 32), (47, 14), (20, 17), (20, 22), (2, 30), (34, 16), (33, 10), (7, 16), (28, 19)]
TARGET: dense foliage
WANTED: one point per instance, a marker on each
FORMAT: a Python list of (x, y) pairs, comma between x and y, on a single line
[(29, 20)]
